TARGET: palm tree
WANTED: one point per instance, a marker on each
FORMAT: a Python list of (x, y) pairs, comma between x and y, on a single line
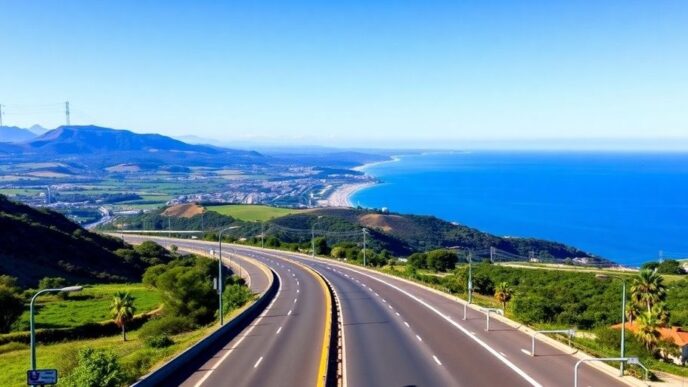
[(661, 313), (632, 311), (122, 310), (503, 293), (647, 330), (648, 289)]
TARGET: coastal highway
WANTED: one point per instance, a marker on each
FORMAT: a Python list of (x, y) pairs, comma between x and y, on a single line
[(401, 334), (283, 346)]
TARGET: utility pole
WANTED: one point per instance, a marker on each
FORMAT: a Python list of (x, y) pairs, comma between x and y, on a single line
[(365, 232), (262, 234), (67, 112), (492, 254)]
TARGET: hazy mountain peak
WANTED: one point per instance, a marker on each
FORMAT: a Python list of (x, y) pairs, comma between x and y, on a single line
[(15, 134)]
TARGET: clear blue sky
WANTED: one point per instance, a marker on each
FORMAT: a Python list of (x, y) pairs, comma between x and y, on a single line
[(384, 73)]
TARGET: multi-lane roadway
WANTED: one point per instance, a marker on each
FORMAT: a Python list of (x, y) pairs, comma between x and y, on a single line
[(396, 333)]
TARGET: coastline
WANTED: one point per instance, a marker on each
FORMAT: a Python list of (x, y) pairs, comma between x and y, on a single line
[(341, 197)]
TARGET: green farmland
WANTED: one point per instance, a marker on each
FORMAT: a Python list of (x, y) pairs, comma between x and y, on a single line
[(252, 213)]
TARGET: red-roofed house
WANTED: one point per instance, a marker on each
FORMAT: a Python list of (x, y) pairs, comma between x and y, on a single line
[(675, 335)]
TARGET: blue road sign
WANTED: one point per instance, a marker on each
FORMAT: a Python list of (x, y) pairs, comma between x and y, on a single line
[(41, 377)]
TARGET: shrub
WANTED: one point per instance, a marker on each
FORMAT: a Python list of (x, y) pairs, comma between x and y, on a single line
[(418, 260), (534, 309), (453, 284), (96, 368), (442, 260), (159, 341), (11, 305), (168, 325), (235, 296)]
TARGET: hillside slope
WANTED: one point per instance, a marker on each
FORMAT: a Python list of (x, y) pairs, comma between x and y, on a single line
[(35, 243)]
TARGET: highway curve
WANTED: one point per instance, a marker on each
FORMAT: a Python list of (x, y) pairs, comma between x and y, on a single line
[(284, 345), (401, 334)]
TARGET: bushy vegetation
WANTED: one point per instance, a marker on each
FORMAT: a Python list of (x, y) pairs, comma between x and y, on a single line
[(187, 287), (435, 260), (159, 341), (669, 266), (11, 302), (96, 368), (186, 284)]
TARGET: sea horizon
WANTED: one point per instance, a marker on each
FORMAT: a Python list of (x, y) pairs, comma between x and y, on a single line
[(631, 213)]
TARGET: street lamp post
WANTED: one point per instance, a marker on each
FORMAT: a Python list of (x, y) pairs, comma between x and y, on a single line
[(219, 272), (31, 317), (623, 316)]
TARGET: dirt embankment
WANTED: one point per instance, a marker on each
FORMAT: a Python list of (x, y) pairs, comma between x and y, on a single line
[(187, 210)]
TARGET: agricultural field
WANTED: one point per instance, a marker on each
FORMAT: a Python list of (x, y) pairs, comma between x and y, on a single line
[(88, 306), (252, 213)]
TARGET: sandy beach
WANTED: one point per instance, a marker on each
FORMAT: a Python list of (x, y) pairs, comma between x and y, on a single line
[(341, 197)]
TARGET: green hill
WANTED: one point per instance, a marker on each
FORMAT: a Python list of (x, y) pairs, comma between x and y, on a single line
[(400, 234), (35, 243)]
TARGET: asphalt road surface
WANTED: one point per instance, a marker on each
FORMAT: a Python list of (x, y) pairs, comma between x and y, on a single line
[(283, 346), (395, 333)]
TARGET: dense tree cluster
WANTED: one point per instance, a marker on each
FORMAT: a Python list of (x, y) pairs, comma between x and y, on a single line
[(11, 302)]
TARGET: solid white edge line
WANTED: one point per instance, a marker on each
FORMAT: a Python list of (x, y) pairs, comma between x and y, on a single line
[(253, 325), (483, 344)]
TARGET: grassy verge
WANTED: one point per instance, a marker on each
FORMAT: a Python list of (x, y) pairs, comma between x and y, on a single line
[(136, 358), (90, 305)]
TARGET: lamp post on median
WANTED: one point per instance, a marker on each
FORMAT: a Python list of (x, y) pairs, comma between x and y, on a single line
[(623, 315), (31, 317), (219, 272)]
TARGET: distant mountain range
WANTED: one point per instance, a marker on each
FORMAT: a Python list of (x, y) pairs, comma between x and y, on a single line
[(100, 147), (94, 139), (15, 134)]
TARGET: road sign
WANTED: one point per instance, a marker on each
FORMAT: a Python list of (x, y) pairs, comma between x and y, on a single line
[(41, 377)]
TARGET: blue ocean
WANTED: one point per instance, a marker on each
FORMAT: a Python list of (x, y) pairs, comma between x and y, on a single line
[(627, 207)]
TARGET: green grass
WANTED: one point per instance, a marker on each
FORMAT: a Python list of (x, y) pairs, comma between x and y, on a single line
[(252, 213), (90, 305), (132, 354)]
